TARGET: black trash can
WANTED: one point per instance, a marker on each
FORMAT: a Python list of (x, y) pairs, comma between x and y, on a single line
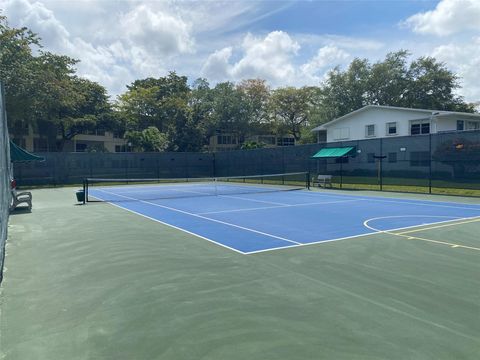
[(80, 196)]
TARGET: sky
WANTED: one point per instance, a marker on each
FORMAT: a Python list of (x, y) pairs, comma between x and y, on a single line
[(287, 43)]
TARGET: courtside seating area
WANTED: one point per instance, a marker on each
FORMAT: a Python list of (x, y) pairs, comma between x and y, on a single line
[(24, 197)]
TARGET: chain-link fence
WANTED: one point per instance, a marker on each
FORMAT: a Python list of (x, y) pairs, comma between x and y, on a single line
[(431, 163), (4, 178)]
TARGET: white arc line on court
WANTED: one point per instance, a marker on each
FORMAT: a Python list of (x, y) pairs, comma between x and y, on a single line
[(452, 223), (204, 217), (279, 207)]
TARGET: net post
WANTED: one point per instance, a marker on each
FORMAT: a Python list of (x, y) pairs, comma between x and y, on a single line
[(84, 191), (307, 174)]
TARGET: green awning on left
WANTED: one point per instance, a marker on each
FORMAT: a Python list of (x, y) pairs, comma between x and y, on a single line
[(17, 154), (333, 152)]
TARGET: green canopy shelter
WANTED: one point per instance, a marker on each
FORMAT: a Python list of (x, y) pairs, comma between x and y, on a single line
[(333, 152), (17, 154), (337, 153)]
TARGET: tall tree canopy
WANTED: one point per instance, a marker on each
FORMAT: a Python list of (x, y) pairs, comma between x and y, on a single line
[(44, 92), (166, 113)]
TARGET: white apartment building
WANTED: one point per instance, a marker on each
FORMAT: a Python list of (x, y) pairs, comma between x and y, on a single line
[(375, 121)]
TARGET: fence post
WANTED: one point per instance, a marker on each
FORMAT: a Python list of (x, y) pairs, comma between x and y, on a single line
[(430, 164), (341, 174), (381, 165), (214, 165)]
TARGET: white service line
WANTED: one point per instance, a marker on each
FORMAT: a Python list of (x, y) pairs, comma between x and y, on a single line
[(204, 217), (405, 202), (179, 228), (253, 200), (279, 207)]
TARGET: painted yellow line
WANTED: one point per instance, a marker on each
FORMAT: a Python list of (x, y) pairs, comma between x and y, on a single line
[(438, 242), (438, 226)]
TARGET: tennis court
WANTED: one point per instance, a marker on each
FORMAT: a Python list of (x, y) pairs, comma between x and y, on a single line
[(255, 214), (235, 270)]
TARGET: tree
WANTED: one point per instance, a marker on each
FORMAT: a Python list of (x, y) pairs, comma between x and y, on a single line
[(161, 103), (291, 109), (230, 110), (17, 71), (431, 86), (388, 80), (425, 83), (256, 94), (149, 139), (249, 145), (44, 92)]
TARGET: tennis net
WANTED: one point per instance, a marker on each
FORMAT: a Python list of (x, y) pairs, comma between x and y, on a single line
[(116, 190)]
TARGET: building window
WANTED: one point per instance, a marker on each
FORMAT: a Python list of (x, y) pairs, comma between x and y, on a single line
[(371, 158), (473, 125), (341, 133), (286, 141), (369, 130), (226, 139), (420, 158), (420, 127), (80, 147), (392, 128), (460, 125), (392, 157)]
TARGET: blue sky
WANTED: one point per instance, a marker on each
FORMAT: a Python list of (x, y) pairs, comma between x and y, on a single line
[(288, 43)]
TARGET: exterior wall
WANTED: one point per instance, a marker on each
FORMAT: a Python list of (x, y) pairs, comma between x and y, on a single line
[(449, 123), (273, 140), (378, 117), (107, 141), (223, 142), (227, 141)]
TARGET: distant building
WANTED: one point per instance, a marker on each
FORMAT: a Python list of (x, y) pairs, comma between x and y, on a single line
[(26, 137), (230, 141), (374, 121)]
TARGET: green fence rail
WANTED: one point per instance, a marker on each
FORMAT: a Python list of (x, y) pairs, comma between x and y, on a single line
[(436, 163)]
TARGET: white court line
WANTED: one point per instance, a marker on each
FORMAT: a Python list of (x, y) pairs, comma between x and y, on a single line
[(204, 217), (176, 227), (279, 207), (445, 223), (375, 232), (406, 201), (452, 218), (253, 200)]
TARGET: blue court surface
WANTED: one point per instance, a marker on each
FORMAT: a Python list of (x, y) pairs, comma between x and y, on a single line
[(261, 221)]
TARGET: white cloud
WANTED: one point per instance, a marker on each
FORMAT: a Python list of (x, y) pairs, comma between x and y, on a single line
[(39, 19), (217, 67), (464, 60), (159, 32), (326, 58), (268, 58), (449, 17)]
